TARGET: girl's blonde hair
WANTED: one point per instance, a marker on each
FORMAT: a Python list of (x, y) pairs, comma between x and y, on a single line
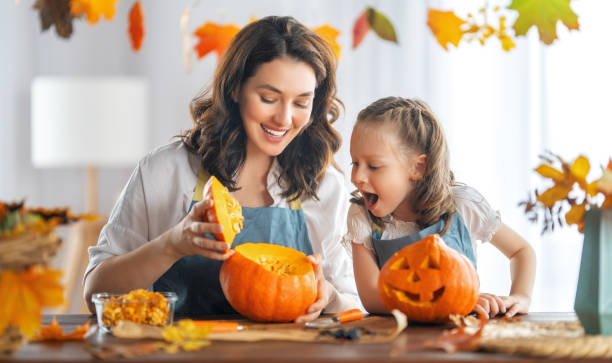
[(421, 132)]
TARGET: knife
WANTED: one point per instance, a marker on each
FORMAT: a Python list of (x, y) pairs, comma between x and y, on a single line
[(337, 319), (217, 326)]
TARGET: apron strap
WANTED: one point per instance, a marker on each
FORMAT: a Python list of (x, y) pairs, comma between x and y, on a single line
[(295, 204)]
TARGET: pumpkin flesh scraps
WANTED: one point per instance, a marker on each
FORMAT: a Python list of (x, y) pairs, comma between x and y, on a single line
[(227, 210), (139, 306), (267, 282), (428, 281)]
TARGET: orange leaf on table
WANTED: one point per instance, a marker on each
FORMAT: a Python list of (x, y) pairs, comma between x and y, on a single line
[(55, 12), (214, 37), (360, 29), (445, 26), (93, 9), (329, 34), (136, 28), (54, 331), (543, 14)]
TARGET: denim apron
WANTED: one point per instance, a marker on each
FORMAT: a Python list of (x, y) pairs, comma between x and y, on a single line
[(195, 279), (457, 237)]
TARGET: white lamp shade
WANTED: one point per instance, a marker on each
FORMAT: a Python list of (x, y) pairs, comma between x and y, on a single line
[(88, 121)]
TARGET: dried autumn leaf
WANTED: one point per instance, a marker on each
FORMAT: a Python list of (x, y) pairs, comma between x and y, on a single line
[(214, 37), (187, 46), (605, 183), (30, 291), (54, 331), (576, 214), (360, 29), (580, 169), (381, 25), (544, 14), (548, 171), (445, 26), (55, 12), (554, 194), (93, 9), (329, 34), (136, 29)]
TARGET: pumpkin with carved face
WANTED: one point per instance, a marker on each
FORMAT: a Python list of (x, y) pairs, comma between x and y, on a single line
[(428, 281)]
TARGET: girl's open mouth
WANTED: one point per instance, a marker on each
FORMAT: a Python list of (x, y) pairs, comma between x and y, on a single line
[(370, 199)]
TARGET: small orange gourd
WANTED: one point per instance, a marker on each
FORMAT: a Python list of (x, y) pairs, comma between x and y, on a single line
[(268, 283), (227, 210), (428, 281)]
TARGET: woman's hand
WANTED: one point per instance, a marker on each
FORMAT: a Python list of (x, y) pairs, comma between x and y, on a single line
[(187, 237), (490, 305), (315, 309)]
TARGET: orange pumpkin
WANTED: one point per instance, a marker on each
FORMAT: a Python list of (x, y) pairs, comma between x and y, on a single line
[(428, 281), (227, 210), (267, 282)]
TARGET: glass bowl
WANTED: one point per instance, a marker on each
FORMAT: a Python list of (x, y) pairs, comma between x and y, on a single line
[(139, 306)]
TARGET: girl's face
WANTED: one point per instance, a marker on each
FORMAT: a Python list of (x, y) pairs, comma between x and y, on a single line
[(384, 170), (275, 104)]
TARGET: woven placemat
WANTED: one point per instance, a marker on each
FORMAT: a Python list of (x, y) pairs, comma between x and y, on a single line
[(559, 339)]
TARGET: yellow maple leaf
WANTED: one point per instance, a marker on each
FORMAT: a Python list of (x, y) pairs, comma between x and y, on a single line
[(579, 169), (445, 26), (25, 294), (330, 35), (93, 9), (543, 14), (576, 214)]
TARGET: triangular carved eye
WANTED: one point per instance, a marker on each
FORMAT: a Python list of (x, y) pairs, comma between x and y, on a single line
[(430, 263), (400, 264)]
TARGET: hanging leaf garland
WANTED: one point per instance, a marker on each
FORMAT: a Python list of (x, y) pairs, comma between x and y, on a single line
[(361, 28), (214, 37), (330, 35), (445, 26), (55, 12), (136, 29), (186, 44), (543, 14), (93, 9)]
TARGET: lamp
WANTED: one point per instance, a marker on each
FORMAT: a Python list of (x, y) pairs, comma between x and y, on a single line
[(87, 122)]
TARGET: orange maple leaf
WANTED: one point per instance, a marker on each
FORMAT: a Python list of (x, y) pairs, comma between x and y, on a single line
[(214, 37), (54, 331), (445, 26), (93, 9), (329, 34), (136, 25), (543, 14)]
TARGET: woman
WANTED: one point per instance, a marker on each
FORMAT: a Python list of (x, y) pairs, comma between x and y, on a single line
[(264, 130)]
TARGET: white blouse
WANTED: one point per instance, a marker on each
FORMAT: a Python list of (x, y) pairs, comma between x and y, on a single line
[(158, 196), (481, 220)]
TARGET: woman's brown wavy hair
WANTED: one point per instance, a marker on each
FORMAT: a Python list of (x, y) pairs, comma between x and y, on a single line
[(421, 132), (218, 136)]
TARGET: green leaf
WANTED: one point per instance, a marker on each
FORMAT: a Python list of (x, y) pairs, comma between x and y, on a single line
[(381, 25), (544, 14)]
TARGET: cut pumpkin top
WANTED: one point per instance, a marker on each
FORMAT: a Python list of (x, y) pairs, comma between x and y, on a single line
[(227, 210)]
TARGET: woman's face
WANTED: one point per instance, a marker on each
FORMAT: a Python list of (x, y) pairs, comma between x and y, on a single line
[(275, 104)]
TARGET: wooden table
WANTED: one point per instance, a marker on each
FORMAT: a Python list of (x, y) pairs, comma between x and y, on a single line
[(278, 351)]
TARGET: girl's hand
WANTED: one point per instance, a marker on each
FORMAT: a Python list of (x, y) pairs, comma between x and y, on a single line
[(491, 305), (187, 237), (315, 309)]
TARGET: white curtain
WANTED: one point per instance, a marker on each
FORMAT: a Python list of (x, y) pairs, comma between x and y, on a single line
[(500, 110)]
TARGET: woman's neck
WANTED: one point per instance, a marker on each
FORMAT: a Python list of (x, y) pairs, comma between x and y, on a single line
[(252, 179)]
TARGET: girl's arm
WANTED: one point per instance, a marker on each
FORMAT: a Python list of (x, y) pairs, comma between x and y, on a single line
[(366, 276), (522, 269)]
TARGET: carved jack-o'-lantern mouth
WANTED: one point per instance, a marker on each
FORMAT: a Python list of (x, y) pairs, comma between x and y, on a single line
[(418, 286)]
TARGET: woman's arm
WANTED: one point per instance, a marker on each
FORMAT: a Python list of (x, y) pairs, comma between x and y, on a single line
[(522, 268), (141, 267), (366, 276)]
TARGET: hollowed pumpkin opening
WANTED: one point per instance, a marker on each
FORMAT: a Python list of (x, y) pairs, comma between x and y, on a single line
[(267, 282)]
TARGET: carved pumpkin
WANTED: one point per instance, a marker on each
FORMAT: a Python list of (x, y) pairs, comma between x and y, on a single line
[(227, 210), (428, 281), (267, 282)]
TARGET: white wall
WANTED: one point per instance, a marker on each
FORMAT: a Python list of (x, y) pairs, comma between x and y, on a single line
[(500, 110)]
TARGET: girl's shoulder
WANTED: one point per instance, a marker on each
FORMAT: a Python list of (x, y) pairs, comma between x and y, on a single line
[(479, 217)]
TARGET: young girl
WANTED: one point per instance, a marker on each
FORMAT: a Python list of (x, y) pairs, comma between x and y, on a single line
[(264, 130), (407, 191)]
